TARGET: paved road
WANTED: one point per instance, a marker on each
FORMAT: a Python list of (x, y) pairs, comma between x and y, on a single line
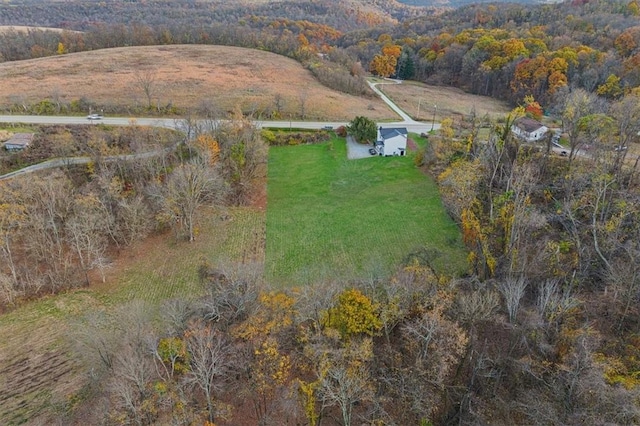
[(407, 121)]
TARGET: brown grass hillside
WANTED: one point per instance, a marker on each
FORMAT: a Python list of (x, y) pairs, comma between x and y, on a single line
[(186, 76)]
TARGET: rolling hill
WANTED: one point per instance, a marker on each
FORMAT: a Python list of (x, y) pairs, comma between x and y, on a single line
[(186, 77)]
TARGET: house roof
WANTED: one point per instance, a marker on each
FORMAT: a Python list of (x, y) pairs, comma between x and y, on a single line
[(19, 140), (391, 132), (528, 124)]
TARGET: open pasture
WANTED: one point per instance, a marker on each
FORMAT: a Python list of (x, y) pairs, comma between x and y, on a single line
[(330, 218), (187, 77)]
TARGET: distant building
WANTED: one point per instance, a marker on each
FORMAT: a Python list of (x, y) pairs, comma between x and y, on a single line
[(391, 141), (529, 129), (18, 141)]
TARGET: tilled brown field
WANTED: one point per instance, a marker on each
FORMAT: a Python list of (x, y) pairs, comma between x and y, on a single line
[(38, 374), (184, 76)]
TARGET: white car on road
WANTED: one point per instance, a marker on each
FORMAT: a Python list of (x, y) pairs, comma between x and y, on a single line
[(94, 117)]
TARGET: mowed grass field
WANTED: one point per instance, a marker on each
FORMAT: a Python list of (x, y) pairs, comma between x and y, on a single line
[(40, 372), (329, 218)]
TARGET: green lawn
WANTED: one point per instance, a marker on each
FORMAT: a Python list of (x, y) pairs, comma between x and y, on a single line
[(333, 218)]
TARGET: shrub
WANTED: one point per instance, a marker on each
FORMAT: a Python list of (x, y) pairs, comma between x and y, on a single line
[(294, 138)]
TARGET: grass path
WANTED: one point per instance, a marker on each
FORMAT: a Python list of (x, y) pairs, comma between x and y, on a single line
[(333, 218)]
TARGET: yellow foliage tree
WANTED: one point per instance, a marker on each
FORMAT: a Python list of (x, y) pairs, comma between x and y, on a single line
[(354, 314), (383, 65), (392, 50), (270, 370), (277, 312), (208, 148)]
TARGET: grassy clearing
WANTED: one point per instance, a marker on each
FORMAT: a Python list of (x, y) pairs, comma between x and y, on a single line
[(333, 218), (420, 100), (39, 372)]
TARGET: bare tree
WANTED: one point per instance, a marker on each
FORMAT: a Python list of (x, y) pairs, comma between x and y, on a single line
[(146, 81), (231, 293), (278, 103), (345, 377), (626, 113), (578, 104), (303, 98), (476, 305), (86, 231), (190, 186), (209, 362), (512, 290), (48, 206), (11, 218)]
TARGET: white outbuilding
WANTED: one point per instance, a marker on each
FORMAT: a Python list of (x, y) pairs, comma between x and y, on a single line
[(391, 141), (529, 129)]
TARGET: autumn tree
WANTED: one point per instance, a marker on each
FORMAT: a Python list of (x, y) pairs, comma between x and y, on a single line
[(267, 367), (532, 108), (243, 157), (353, 314), (383, 65), (611, 88)]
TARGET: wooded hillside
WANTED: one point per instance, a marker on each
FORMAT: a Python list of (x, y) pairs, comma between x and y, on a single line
[(541, 330)]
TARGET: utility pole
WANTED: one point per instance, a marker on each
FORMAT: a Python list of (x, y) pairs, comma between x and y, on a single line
[(418, 114), (433, 122)]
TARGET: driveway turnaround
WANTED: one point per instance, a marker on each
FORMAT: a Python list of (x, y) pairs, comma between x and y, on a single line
[(357, 150)]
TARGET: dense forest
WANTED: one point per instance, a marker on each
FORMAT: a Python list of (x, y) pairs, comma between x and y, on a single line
[(543, 329), (507, 52)]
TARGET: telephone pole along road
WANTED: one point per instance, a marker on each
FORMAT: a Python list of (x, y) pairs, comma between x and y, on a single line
[(407, 122), (411, 125)]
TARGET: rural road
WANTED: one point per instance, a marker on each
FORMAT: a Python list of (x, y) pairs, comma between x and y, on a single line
[(407, 121), (411, 125)]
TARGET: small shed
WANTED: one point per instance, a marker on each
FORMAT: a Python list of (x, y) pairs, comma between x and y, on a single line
[(529, 129), (391, 141), (18, 141)]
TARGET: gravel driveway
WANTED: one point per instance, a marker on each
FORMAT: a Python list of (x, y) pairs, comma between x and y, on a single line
[(357, 150)]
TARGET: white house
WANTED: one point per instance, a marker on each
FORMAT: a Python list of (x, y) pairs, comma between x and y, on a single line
[(529, 129), (391, 141)]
